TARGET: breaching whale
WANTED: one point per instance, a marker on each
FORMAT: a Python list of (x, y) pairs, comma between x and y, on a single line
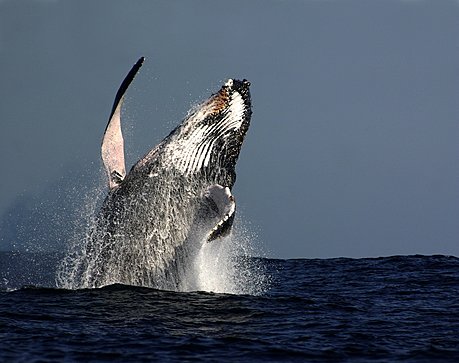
[(173, 200)]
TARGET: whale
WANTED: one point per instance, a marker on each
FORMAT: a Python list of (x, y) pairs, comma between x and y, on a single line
[(172, 201)]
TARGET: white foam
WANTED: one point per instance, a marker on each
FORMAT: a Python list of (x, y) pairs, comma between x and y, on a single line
[(221, 266), (225, 266)]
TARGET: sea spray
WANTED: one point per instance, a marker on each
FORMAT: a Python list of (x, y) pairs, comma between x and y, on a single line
[(69, 271), (223, 266), (227, 266)]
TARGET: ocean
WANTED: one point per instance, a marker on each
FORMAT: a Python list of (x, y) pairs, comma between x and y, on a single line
[(388, 309)]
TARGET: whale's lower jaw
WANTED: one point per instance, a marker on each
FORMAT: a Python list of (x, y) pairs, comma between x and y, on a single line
[(211, 136)]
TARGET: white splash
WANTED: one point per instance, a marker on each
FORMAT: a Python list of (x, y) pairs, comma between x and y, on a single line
[(70, 267), (227, 266), (221, 266)]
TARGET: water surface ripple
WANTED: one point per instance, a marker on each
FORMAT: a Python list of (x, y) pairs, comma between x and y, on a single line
[(401, 308)]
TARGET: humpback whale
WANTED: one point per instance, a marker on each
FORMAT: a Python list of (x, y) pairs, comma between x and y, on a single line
[(173, 200)]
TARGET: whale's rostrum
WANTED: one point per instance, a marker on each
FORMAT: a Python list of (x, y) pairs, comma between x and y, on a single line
[(173, 200)]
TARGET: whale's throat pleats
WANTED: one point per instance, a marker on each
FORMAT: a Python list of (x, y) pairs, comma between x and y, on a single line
[(207, 137)]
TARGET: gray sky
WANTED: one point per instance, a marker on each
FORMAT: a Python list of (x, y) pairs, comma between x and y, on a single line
[(353, 148)]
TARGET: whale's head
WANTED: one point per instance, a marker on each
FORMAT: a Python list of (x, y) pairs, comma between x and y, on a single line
[(211, 137)]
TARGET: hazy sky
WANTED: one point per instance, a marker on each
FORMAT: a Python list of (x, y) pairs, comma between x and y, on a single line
[(353, 148)]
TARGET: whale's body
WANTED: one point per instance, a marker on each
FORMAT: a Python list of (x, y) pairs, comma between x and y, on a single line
[(178, 196)]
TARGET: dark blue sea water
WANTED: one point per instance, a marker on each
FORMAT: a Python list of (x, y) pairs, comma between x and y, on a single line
[(331, 310)]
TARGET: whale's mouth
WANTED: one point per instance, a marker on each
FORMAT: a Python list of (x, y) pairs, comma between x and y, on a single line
[(212, 135)]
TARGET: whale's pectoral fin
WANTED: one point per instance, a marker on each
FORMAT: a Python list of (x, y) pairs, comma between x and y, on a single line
[(112, 142), (220, 200)]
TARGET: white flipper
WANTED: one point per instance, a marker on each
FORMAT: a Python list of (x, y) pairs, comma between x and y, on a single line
[(224, 205), (112, 142)]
